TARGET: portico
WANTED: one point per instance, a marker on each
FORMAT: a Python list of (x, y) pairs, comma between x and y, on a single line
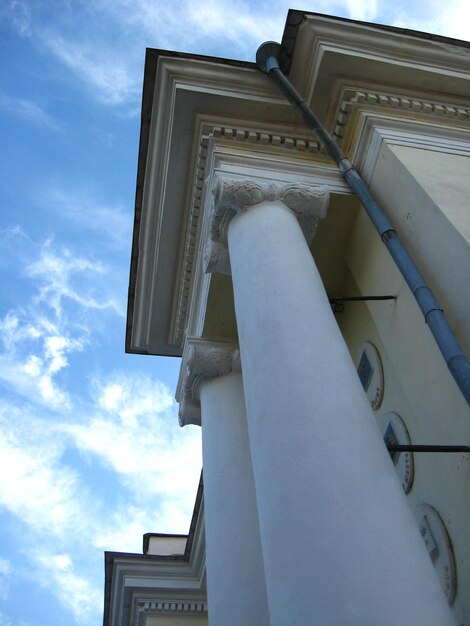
[(244, 228), (296, 451)]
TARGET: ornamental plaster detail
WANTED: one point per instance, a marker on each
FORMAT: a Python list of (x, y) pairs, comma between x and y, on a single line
[(202, 360), (250, 137), (236, 195), (401, 104)]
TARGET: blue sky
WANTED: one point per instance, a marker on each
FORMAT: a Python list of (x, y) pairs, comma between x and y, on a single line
[(91, 455)]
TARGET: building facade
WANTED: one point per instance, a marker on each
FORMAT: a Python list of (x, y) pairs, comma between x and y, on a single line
[(303, 349)]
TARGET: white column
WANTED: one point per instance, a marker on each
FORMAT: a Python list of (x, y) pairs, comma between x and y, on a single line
[(340, 545), (235, 577)]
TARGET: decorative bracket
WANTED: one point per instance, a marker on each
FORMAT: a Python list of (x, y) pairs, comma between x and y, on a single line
[(203, 359), (235, 195)]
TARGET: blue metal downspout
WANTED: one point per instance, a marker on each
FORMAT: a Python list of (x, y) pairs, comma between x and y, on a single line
[(457, 362)]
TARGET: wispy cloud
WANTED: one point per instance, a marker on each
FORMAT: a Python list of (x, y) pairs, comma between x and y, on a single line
[(34, 352), (5, 573), (112, 222), (137, 419), (112, 74), (34, 486), (57, 271), (40, 337), (18, 13), (29, 111), (75, 592), (108, 73), (450, 19), (366, 10), (133, 433)]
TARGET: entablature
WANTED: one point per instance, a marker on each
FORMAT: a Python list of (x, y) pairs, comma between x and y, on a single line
[(212, 115)]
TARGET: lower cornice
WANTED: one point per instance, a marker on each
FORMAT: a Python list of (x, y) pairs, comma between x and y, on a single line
[(168, 606)]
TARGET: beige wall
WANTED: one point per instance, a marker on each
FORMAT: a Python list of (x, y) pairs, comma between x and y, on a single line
[(426, 196), (418, 385)]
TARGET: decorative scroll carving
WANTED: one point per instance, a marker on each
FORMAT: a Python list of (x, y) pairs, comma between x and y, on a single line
[(235, 195), (202, 360)]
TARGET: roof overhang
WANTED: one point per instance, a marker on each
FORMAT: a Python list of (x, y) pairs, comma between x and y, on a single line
[(201, 112)]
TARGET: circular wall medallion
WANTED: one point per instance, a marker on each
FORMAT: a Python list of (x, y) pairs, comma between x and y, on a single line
[(369, 369), (394, 432), (436, 538)]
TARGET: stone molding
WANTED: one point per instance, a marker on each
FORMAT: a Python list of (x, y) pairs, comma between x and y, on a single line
[(203, 359), (398, 104), (169, 607), (235, 195), (294, 144)]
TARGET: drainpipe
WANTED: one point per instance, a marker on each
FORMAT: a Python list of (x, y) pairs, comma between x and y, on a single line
[(457, 362)]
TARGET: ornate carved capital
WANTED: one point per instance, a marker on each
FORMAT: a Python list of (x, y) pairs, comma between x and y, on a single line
[(202, 360), (235, 195)]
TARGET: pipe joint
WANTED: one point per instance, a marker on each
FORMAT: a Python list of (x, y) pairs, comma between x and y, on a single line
[(267, 55), (345, 165), (431, 311), (388, 234)]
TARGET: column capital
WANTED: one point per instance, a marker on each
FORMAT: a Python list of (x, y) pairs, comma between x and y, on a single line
[(232, 195), (203, 359)]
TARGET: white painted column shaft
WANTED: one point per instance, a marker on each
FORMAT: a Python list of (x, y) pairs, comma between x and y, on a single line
[(235, 575), (340, 545)]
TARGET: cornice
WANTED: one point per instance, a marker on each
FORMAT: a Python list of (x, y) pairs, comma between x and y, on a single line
[(294, 149), (416, 108), (203, 359), (348, 48), (295, 18), (177, 88), (168, 606), (391, 47), (145, 578)]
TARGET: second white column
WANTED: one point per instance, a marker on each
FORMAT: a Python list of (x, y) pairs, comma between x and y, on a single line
[(235, 576)]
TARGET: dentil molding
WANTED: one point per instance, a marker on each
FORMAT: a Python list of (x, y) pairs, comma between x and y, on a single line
[(169, 607), (288, 146), (413, 107), (235, 195), (203, 359)]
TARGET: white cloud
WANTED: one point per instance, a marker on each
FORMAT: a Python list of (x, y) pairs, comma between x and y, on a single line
[(35, 352), (56, 274), (136, 434), (366, 10), (19, 14), (5, 573), (34, 485), (5, 567), (450, 19), (5, 621), (76, 593), (110, 221), (28, 110), (110, 74)]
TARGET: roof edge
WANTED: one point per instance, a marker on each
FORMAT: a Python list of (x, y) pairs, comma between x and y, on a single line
[(295, 17)]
